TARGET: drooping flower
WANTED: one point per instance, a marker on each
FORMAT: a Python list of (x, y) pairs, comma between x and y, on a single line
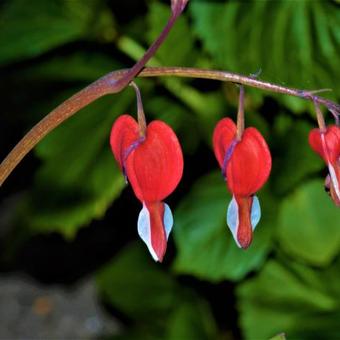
[(327, 145), (153, 164), (246, 164)]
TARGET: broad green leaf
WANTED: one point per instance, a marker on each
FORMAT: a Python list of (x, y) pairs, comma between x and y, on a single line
[(290, 297), (28, 30), (205, 246), (78, 66), (293, 159), (308, 226), (143, 290), (178, 117), (78, 178), (136, 285), (298, 50), (192, 320)]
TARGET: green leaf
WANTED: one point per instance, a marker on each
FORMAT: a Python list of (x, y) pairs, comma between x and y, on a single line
[(206, 248), (192, 320), (133, 283), (78, 178), (293, 159), (298, 50), (78, 66), (308, 226), (293, 298), (29, 30), (178, 117), (143, 290)]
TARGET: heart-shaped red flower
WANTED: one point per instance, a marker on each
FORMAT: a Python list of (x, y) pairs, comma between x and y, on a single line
[(246, 166), (153, 165), (327, 145)]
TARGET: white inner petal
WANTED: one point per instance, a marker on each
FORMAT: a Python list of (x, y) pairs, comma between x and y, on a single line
[(255, 214), (168, 220), (232, 219), (334, 180)]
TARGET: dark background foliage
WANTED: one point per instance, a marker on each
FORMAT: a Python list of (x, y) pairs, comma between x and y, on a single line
[(66, 213)]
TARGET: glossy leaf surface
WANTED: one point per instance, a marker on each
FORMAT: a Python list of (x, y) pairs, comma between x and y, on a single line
[(308, 226), (286, 295)]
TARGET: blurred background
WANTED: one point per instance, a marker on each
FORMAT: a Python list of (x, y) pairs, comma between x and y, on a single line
[(71, 262)]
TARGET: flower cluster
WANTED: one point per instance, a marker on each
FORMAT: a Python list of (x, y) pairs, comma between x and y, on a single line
[(151, 159)]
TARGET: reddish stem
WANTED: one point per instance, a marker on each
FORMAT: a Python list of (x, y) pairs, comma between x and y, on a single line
[(240, 115), (106, 85), (140, 110), (319, 117), (133, 72), (111, 83)]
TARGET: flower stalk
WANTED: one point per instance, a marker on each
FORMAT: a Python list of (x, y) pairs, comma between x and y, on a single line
[(104, 86), (140, 110), (240, 115), (320, 118)]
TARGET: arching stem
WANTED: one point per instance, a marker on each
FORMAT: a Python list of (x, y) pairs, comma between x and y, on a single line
[(113, 82), (177, 7), (105, 85)]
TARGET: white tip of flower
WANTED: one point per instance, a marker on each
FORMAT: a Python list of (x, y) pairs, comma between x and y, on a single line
[(334, 180), (233, 216), (168, 220), (144, 230), (233, 220), (255, 214)]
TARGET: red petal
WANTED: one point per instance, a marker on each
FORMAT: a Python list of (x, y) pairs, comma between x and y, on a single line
[(329, 150), (155, 167), (124, 132), (245, 231), (224, 134), (158, 235), (250, 164)]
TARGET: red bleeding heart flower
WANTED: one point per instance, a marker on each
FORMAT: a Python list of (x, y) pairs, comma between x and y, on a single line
[(153, 164), (327, 145), (246, 164)]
